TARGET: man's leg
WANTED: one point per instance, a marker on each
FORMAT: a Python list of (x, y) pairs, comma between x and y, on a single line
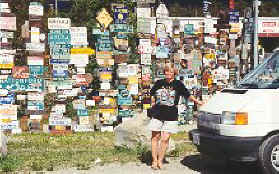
[(165, 137), (154, 147)]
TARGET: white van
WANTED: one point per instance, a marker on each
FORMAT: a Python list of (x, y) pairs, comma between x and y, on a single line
[(242, 124)]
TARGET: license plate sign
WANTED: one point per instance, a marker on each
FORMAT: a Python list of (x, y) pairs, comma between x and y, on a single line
[(196, 139)]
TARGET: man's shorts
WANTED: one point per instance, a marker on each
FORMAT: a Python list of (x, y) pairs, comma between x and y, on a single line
[(165, 126)]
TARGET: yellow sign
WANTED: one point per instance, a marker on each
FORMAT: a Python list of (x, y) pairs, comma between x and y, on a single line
[(82, 51), (133, 79), (106, 76), (146, 106), (6, 66), (209, 56), (104, 18), (60, 128)]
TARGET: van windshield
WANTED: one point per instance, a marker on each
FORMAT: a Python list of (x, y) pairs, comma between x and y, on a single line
[(265, 76)]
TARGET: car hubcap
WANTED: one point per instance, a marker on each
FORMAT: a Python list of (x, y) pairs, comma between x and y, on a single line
[(275, 157)]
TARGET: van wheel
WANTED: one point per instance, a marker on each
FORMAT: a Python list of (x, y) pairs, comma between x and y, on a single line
[(269, 155)]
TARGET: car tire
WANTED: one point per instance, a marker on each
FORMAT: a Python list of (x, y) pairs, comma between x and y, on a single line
[(266, 151)]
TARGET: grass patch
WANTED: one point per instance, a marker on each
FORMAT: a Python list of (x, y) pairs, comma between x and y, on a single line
[(39, 151), (180, 136)]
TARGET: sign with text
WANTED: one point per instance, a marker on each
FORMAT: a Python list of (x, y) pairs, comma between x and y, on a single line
[(59, 23), (8, 23)]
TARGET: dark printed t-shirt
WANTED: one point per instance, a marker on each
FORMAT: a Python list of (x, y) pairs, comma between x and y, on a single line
[(167, 98)]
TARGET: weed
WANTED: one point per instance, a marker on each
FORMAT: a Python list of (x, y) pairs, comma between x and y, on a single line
[(9, 163)]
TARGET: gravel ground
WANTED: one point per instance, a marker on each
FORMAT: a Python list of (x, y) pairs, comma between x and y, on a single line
[(191, 164)]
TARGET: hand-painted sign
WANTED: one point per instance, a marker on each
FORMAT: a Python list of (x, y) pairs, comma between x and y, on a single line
[(8, 23), (20, 72), (59, 23), (124, 28), (120, 15)]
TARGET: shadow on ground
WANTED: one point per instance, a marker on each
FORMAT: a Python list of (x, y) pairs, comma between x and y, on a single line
[(207, 166)]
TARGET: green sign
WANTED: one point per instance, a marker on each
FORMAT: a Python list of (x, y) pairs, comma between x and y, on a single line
[(189, 29), (124, 28), (31, 84), (36, 70)]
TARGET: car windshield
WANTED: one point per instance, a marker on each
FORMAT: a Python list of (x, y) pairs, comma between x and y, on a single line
[(264, 76)]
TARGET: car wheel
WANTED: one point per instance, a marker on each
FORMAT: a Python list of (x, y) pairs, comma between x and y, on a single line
[(269, 155)]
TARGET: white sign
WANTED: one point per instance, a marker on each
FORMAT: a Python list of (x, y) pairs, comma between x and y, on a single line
[(35, 96), (211, 40), (105, 86), (59, 23), (35, 35), (145, 59), (90, 102), (80, 70), (7, 59), (78, 35), (21, 97), (4, 92), (36, 47), (83, 128), (79, 59), (35, 60), (59, 108), (37, 10), (8, 23), (36, 117), (143, 12)]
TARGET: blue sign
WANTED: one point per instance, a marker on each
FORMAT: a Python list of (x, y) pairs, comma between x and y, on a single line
[(234, 16), (97, 31), (120, 15), (59, 61), (60, 74), (9, 99), (82, 112)]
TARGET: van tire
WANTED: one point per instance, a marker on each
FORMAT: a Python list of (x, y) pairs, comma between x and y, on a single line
[(265, 151)]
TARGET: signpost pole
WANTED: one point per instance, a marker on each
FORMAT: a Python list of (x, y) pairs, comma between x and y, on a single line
[(256, 37), (56, 7)]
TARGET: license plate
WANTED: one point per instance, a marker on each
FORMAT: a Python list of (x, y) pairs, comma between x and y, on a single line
[(196, 139)]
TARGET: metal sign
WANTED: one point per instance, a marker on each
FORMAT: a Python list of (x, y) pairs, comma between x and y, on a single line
[(30, 84), (78, 35), (104, 18), (82, 51), (20, 72), (124, 28), (59, 37), (8, 23), (59, 23), (35, 105), (189, 29), (120, 15), (59, 61)]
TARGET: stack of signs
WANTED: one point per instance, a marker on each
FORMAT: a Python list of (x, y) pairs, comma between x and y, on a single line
[(128, 79), (107, 113), (35, 108), (8, 109), (59, 40)]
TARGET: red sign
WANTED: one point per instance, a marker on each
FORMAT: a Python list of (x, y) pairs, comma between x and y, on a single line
[(231, 4), (20, 72)]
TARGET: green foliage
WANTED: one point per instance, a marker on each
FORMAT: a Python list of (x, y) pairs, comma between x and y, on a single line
[(10, 163), (70, 111)]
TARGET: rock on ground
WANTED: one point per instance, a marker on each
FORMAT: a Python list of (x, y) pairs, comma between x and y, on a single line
[(135, 131)]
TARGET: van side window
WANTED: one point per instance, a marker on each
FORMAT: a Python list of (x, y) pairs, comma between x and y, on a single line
[(269, 76)]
